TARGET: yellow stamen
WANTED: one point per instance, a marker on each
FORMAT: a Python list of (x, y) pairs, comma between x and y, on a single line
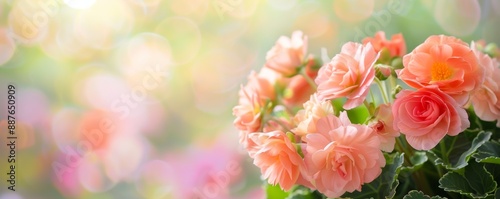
[(440, 71)]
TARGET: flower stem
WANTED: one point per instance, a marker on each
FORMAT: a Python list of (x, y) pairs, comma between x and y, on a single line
[(368, 107), (281, 124), (403, 148), (392, 83), (383, 91), (308, 79), (421, 182)]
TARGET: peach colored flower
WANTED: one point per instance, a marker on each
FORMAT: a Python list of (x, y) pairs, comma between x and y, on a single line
[(444, 61), (248, 119), (277, 158), (253, 98), (349, 74), (258, 85), (425, 116), (287, 54), (382, 125), (486, 101), (396, 46), (298, 90), (342, 156), (306, 118)]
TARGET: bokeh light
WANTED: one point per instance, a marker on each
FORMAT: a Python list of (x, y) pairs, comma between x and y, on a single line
[(29, 23), (282, 4), (458, 17), (353, 11), (79, 4), (7, 47), (183, 33), (100, 29)]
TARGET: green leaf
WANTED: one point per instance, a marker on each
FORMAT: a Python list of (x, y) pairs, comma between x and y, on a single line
[(489, 152), (476, 182), (417, 160), (302, 192), (454, 182), (275, 192), (455, 151), (479, 178), (494, 170), (414, 194), (385, 185)]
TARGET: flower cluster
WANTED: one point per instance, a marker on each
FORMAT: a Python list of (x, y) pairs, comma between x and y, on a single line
[(294, 114)]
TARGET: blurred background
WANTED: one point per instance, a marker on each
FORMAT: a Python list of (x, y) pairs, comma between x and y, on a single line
[(133, 98)]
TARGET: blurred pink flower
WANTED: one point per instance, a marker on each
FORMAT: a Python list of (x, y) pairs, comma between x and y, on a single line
[(444, 61), (425, 116), (277, 158), (396, 46), (307, 118), (205, 172), (342, 156), (287, 54), (486, 101), (382, 125), (349, 74)]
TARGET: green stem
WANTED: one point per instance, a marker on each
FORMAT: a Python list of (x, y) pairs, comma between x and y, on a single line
[(373, 97), (387, 91), (442, 147), (383, 92), (404, 149), (368, 107), (281, 124), (392, 84), (444, 152), (478, 122), (308, 79), (422, 183)]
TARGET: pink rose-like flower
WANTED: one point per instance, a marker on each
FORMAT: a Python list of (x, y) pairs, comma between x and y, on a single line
[(287, 54), (277, 158), (486, 101), (446, 62), (349, 74), (307, 118), (396, 46), (342, 156), (425, 116), (383, 127)]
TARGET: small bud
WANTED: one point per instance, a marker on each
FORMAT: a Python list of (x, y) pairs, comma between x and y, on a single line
[(395, 91), (382, 71)]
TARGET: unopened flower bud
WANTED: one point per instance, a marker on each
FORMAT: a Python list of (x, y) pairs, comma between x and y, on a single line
[(395, 91), (382, 71)]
